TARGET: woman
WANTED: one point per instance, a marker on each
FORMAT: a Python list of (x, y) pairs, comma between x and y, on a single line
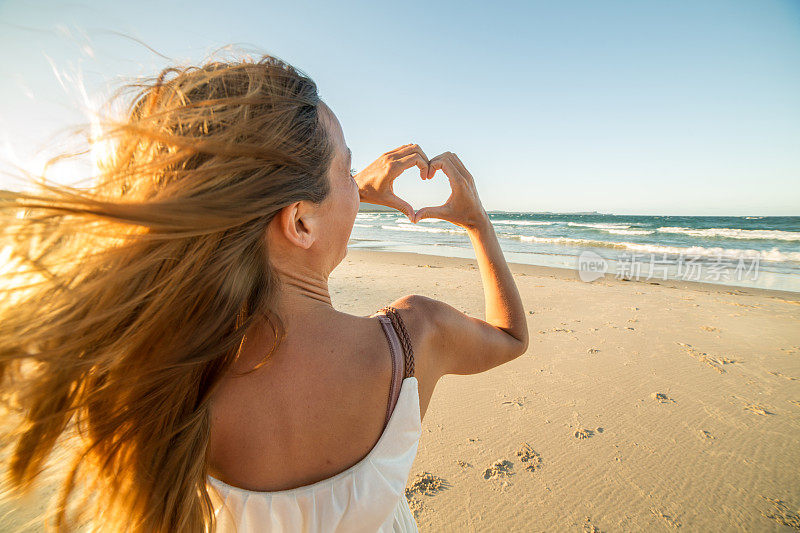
[(177, 336)]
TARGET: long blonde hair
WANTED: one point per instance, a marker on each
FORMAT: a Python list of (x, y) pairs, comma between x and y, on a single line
[(130, 298)]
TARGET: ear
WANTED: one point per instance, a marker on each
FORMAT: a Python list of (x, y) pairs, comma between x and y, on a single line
[(296, 225)]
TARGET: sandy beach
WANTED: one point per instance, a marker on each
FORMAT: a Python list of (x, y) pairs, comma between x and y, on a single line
[(635, 163), (638, 407)]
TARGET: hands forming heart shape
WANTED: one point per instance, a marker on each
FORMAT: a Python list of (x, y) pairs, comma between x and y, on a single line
[(463, 207)]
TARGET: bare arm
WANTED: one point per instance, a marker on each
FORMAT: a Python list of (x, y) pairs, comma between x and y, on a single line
[(449, 341), (461, 344), (503, 303)]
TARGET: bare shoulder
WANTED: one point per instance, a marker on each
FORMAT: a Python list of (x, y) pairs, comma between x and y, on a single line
[(448, 341), (452, 342), (420, 315), (423, 306), (426, 321)]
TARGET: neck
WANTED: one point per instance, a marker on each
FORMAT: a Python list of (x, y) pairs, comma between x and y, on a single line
[(302, 290), (302, 296)]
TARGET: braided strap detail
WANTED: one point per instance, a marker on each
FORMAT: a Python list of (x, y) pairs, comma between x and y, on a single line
[(405, 340)]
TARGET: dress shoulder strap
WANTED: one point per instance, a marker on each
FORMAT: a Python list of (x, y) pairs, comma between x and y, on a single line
[(400, 327), (401, 353)]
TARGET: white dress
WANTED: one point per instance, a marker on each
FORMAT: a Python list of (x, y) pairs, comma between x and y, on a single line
[(369, 496)]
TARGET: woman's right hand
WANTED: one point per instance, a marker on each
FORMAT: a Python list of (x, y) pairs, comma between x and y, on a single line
[(375, 183), (463, 207)]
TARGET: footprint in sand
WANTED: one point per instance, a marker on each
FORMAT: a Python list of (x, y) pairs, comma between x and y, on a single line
[(463, 464), (714, 361), (706, 435), (660, 397), (527, 455), (584, 434), (593, 350), (517, 402), (782, 514), (709, 328), (415, 505), (588, 527), (737, 304), (778, 374), (426, 484), (669, 519), (758, 409), (500, 470)]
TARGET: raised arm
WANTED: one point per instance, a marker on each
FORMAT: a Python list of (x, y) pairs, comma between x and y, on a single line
[(447, 340), (461, 344)]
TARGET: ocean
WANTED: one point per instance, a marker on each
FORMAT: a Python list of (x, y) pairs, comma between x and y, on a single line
[(759, 252)]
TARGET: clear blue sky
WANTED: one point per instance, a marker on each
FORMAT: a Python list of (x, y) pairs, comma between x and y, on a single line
[(651, 107)]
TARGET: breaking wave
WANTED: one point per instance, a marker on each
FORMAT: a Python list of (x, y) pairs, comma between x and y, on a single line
[(733, 233), (764, 255)]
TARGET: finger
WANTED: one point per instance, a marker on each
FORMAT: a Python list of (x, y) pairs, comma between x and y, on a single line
[(430, 212), (445, 164), (399, 149), (461, 167), (432, 171), (457, 162), (412, 149), (453, 158), (414, 159), (402, 206)]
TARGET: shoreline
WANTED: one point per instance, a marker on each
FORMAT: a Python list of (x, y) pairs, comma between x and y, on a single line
[(768, 279), (525, 269), (748, 252)]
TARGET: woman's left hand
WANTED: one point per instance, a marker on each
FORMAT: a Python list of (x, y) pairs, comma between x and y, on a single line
[(375, 183)]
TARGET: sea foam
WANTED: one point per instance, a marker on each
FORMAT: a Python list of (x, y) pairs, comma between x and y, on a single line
[(523, 222), (728, 253), (734, 233), (411, 227), (599, 225)]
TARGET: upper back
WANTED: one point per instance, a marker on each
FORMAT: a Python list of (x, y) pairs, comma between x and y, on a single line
[(316, 408)]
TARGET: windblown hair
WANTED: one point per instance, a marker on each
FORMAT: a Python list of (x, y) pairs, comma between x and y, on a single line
[(130, 298)]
